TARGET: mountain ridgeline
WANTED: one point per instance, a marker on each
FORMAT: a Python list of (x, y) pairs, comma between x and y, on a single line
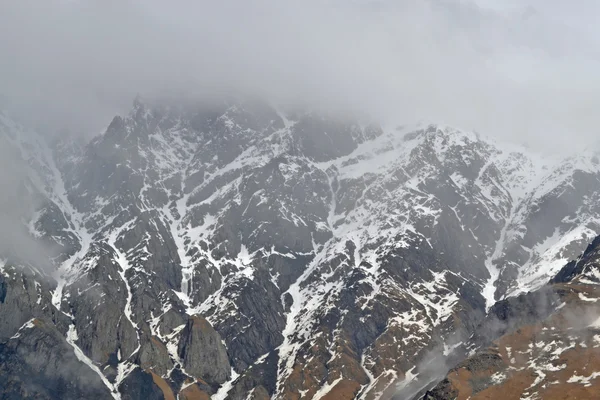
[(241, 252)]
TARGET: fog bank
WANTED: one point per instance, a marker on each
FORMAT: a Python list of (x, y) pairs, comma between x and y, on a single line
[(520, 70)]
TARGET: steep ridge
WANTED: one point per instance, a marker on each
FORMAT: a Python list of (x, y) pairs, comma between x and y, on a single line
[(313, 257), (557, 219), (545, 343)]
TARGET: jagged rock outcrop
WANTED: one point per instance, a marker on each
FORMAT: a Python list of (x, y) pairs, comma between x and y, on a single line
[(37, 362), (24, 295), (141, 385), (154, 356), (202, 351)]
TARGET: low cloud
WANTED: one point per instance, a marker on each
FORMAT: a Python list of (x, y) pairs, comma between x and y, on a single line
[(521, 71), (18, 205)]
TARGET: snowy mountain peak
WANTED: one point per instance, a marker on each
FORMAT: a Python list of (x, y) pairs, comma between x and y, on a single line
[(232, 248)]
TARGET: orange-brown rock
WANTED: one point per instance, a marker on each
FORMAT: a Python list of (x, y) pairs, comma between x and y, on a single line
[(163, 385), (193, 392), (558, 358)]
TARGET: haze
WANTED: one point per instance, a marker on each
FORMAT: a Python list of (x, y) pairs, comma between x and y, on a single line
[(518, 70)]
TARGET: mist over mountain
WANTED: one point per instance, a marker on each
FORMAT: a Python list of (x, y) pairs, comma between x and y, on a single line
[(497, 67), (303, 200)]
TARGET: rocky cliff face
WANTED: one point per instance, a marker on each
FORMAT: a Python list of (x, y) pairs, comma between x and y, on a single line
[(238, 251), (545, 344)]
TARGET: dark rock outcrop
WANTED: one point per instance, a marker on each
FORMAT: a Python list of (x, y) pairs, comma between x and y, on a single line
[(203, 353), (38, 363)]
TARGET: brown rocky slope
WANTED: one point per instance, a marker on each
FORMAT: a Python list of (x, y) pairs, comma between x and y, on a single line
[(543, 357)]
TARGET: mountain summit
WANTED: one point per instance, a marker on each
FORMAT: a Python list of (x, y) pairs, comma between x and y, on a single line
[(241, 252)]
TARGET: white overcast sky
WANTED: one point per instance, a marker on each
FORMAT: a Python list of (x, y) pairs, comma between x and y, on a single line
[(520, 70)]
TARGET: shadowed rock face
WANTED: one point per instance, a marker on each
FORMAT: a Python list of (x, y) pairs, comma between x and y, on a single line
[(203, 353), (38, 363), (245, 252)]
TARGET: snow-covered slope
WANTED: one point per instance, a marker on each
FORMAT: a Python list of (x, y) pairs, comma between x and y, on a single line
[(240, 249)]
